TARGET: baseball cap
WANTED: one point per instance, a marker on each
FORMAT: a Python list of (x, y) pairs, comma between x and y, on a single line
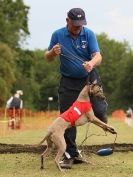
[(77, 15)]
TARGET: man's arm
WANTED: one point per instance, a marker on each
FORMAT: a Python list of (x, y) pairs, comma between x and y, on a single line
[(9, 102), (21, 104), (50, 54), (95, 61)]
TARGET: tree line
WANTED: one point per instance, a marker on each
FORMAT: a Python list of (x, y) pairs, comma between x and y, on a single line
[(28, 70)]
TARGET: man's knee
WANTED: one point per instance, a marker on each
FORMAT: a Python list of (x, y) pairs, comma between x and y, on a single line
[(70, 134)]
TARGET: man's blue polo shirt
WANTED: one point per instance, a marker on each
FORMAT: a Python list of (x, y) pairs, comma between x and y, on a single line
[(74, 51)]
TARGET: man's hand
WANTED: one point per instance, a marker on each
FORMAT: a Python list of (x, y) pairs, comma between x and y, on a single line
[(56, 50), (50, 54), (88, 65)]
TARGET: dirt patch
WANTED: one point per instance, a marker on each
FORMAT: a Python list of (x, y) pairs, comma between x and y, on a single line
[(116, 148), (18, 148)]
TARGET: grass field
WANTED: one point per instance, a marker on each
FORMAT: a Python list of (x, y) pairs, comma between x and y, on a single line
[(119, 164)]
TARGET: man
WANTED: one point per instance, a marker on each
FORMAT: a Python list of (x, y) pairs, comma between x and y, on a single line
[(79, 53), (14, 106)]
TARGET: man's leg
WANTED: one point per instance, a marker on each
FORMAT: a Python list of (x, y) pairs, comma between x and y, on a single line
[(66, 99), (72, 154), (68, 92), (100, 108), (70, 137)]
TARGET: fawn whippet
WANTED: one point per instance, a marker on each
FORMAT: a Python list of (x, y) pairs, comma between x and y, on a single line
[(78, 114)]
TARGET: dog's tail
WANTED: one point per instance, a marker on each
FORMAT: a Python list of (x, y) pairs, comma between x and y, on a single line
[(45, 138)]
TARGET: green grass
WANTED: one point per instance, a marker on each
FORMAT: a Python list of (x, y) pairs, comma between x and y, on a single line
[(31, 136), (28, 164)]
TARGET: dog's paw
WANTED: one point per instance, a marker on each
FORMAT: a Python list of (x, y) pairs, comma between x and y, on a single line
[(41, 167), (111, 130)]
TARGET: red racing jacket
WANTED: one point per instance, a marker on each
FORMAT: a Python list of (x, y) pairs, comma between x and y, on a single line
[(75, 111)]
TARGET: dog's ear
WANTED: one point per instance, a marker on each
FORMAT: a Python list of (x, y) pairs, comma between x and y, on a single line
[(101, 88)]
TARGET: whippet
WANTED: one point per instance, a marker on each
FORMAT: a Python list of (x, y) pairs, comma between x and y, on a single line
[(78, 114)]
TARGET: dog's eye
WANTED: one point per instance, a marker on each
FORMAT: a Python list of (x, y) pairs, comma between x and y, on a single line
[(98, 91)]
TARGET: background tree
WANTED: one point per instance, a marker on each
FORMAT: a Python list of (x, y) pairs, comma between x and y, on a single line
[(25, 77), (7, 76), (125, 89), (13, 30), (115, 56), (13, 22), (47, 76)]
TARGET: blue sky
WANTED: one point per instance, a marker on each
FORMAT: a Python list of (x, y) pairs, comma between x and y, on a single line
[(114, 17)]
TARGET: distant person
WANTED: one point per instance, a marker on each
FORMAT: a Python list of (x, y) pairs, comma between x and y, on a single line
[(129, 117), (14, 107), (129, 113)]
